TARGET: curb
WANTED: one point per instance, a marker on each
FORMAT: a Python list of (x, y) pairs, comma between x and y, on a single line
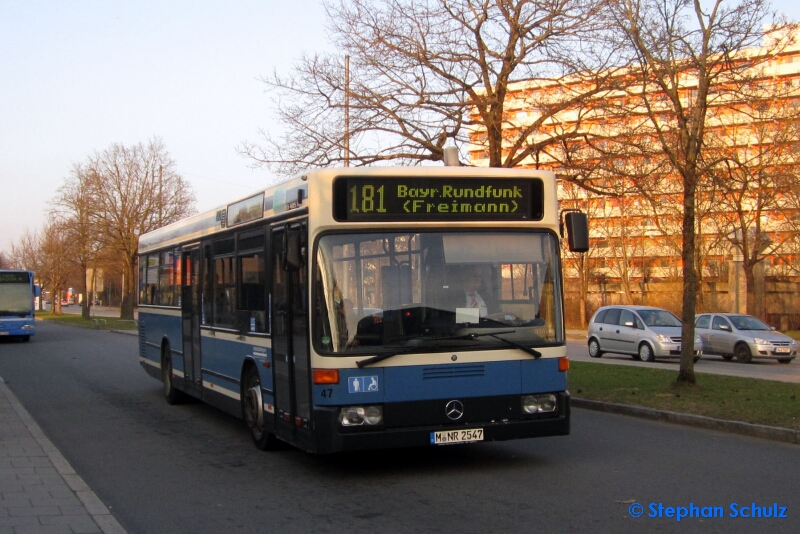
[(736, 427), (91, 503)]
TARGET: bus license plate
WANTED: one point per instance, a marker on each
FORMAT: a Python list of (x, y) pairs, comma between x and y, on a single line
[(466, 435)]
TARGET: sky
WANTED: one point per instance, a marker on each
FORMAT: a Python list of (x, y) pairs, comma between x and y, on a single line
[(77, 76)]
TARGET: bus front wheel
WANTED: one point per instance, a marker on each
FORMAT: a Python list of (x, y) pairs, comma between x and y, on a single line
[(253, 411)]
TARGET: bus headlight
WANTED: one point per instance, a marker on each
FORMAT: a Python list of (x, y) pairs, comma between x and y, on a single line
[(539, 403), (361, 415)]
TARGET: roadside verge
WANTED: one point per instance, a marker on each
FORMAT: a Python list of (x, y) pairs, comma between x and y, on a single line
[(737, 427)]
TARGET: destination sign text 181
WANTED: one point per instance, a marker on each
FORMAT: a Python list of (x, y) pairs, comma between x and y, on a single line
[(437, 199)]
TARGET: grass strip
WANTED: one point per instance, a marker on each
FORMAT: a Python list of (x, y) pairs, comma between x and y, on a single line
[(733, 398), (100, 323)]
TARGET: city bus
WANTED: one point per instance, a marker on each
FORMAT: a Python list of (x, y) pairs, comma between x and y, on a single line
[(328, 311), (17, 293)]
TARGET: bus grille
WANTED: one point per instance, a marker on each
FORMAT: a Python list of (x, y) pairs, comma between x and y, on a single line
[(453, 371)]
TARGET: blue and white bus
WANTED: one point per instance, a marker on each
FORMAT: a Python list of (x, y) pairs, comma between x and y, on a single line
[(17, 293), (329, 311)]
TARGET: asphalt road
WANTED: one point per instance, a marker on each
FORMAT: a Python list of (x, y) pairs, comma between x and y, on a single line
[(193, 469)]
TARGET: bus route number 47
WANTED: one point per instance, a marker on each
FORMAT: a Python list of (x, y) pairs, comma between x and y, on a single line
[(466, 435)]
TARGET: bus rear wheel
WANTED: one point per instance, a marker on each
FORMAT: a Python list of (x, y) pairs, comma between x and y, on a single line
[(253, 412)]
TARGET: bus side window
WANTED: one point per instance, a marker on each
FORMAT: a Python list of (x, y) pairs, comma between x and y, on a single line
[(252, 300)]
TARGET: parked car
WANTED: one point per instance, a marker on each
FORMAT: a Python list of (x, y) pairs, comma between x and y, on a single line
[(644, 332), (744, 337)]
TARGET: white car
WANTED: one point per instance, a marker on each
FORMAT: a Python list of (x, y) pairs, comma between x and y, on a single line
[(744, 337)]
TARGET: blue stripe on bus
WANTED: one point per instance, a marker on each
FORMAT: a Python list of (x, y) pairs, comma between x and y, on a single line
[(422, 382), (225, 357), (222, 357)]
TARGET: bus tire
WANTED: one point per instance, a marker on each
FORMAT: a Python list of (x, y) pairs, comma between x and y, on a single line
[(253, 411), (172, 395)]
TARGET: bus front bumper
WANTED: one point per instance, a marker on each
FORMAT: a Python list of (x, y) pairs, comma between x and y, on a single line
[(332, 437)]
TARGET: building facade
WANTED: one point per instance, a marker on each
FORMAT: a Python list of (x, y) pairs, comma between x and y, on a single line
[(607, 152)]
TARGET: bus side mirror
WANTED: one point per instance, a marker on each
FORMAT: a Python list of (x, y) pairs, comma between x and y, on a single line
[(577, 231)]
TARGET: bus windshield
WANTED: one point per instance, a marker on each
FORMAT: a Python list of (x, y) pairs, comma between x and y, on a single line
[(15, 299), (377, 292)]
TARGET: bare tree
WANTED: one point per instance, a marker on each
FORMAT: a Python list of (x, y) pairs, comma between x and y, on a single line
[(756, 174), (581, 266), (5, 262), (46, 253), (73, 209), (682, 50), (424, 71), (134, 190), (24, 254), (789, 202)]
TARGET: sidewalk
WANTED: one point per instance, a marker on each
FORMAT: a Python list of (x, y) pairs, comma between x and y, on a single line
[(576, 333), (39, 491)]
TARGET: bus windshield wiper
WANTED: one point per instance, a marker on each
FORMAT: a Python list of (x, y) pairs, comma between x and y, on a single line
[(533, 352), (416, 347)]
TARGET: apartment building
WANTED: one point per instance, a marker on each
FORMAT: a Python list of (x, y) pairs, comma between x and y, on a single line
[(748, 198)]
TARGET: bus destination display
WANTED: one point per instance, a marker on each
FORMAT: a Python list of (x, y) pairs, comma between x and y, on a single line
[(359, 199), (14, 278)]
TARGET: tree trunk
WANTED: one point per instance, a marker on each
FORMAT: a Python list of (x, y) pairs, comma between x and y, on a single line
[(686, 372), (88, 296), (129, 277), (582, 306)]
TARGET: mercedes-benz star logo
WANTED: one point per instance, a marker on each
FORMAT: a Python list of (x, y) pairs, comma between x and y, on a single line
[(454, 410)]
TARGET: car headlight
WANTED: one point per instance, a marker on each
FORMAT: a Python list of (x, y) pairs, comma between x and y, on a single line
[(698, 339), (663, 338), (361, 415), (539, 403), (759, 341)]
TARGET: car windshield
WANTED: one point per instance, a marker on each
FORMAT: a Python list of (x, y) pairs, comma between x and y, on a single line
[(435, 291), (658, 318), (747, 322)]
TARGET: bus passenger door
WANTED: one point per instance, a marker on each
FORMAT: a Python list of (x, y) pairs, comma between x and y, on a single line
[(190, 318), (290, 301)]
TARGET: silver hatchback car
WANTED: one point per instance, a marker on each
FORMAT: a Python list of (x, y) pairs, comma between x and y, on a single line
[(743, 336), (644, 332)]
